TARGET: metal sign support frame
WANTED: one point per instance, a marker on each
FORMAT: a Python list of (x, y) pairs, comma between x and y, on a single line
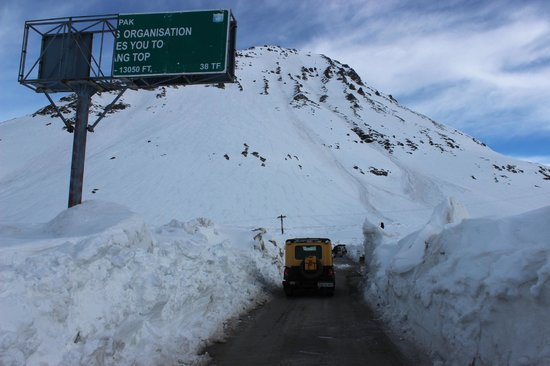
[(97, 80)]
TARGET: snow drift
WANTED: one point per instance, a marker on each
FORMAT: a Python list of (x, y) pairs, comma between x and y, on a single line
[(470, 291), (95, 286)]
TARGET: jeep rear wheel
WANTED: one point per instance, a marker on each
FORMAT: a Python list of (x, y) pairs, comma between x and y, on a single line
[(288, 291)]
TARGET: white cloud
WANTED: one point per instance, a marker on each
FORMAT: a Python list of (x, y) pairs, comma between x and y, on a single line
[(466, 67)]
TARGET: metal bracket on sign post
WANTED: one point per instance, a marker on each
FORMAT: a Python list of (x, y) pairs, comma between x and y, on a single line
[(106, 110), (70, 128)]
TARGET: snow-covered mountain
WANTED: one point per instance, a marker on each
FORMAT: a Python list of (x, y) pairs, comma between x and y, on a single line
[(189, 172), (297, 134)]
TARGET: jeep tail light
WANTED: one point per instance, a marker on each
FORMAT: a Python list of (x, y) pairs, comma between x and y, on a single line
[(286, 272), (330, 272)]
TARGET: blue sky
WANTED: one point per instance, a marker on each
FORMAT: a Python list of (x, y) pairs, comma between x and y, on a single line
[(482, 67)]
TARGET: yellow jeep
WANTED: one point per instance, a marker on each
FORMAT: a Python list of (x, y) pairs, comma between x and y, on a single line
[(308, 265)]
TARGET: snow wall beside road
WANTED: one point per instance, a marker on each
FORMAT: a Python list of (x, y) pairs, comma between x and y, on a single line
[(468, 291), (97, 286)]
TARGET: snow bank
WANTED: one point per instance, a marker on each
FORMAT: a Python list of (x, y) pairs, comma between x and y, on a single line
[(470, 291), (96, 286)]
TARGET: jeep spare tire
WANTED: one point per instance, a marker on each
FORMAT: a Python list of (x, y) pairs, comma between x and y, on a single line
[(311, 274)]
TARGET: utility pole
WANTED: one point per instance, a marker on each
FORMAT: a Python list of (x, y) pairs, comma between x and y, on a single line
[(282, 217)]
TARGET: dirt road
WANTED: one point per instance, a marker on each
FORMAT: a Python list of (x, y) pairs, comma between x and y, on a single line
[(309, 329)]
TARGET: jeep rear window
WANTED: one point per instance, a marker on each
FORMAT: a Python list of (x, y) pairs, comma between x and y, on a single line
[(303, 251)]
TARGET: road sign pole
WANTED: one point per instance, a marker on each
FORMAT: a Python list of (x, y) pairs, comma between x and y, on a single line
[(84, 93)]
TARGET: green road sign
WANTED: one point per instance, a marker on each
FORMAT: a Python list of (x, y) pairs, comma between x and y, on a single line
[(171, 43)]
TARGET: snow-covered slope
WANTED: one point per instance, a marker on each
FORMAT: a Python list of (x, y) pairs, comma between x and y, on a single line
[(299, 134)]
